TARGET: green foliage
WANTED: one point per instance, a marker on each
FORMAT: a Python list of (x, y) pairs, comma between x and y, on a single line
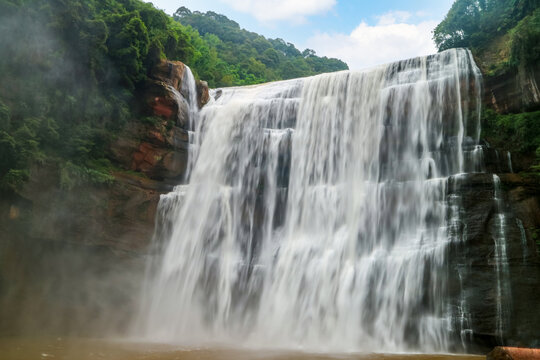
[(503, 34), (472, 23), (71, 72), (535, 236), (5, 117), (128, 44), (525, 40), (14, 180), (228, 55), (72, 175), (519, 133), (521, 130)]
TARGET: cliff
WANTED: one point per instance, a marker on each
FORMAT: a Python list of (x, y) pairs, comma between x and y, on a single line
[(513, 91)]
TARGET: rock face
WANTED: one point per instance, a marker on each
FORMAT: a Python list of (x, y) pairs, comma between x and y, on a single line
[(502, 314), (514, 91), (499, 296), (158, 151), (499, 292)]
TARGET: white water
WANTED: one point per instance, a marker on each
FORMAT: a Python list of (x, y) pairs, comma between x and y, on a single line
[(189, 89), (509, 157), (501, 263), (316, 214)]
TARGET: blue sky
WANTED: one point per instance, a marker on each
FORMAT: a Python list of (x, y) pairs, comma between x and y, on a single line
[(362, 33)]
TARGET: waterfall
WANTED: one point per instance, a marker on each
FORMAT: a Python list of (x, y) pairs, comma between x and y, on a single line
[(316, 213), (503, 293), (186, 98), (189, 91)]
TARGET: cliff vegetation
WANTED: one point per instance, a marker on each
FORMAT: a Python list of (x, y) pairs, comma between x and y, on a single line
[(73, 72), (504, 36), (235, 56)]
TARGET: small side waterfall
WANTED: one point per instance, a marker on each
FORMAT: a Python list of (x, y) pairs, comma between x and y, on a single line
[(501, 262), (317, 213), (189, 91)]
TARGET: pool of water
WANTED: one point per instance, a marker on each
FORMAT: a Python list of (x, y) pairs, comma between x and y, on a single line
[(90, 349)]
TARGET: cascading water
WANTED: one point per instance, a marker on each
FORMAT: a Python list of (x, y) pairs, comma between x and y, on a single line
[(186, 98), (317, 212), (501, 262), (189, 89)]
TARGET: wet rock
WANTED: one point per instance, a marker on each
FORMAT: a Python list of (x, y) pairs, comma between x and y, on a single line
[(203, 94), (475, 260), (166, 97), (496, 161), (218, 94)]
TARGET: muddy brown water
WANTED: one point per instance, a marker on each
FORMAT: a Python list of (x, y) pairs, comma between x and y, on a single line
[(88, 349)]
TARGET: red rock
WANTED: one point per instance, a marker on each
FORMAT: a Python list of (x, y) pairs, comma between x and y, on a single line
[(163, 107), (513, 353), (157, 137), (145, 147), (152, 158), (145, 167), (138, 157)]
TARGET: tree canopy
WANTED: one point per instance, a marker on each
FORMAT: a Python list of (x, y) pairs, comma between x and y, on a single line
[(234, 56), (476, 23), (72, 70)]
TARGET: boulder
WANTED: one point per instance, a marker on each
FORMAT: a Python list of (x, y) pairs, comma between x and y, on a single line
[(169, 72), (513, 353)]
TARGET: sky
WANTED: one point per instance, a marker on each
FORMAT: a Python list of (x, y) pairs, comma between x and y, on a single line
[(363, 33)]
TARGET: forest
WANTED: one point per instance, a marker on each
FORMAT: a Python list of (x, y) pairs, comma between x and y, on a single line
[(72, 70)]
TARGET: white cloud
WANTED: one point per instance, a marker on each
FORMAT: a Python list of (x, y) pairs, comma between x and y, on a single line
[(393, 17), (273, 10), (389, 40)]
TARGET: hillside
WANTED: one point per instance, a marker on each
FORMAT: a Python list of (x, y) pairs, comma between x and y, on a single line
[(235, 56)]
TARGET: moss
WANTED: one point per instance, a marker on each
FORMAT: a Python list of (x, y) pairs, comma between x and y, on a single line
[(95, 173), (494, 56), (525, 41), (517, 133), (14, 180), (131, 173), (151, 120)]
